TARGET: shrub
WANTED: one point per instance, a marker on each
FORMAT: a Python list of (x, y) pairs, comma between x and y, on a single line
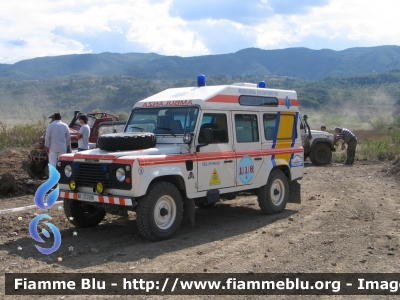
[(21, 135)]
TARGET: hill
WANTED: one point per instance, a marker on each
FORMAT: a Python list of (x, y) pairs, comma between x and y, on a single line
[(356, 100), (301, 63)]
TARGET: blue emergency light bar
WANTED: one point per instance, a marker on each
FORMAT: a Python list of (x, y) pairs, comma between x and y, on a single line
[(261, 84), (201, 80)]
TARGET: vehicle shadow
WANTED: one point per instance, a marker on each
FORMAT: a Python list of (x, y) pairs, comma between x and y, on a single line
[(119, 240)]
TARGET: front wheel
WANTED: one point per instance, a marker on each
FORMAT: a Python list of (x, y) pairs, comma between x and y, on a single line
[(160, 211), (273, 196), (83, 215), (321, 154)]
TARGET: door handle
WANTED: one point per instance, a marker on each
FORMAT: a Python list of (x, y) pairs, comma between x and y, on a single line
[(228, 161), (258, 158)]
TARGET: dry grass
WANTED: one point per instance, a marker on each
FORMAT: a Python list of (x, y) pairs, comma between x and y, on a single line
[(375, 144), (20, 135)]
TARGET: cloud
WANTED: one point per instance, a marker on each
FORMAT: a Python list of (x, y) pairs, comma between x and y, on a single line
[(339, 25), (188, 28)]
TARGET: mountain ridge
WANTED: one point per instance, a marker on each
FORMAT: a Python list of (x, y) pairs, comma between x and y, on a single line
[(303, 63)]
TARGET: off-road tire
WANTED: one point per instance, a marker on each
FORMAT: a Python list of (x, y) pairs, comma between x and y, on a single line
[(36, 169), (320, 154), (126, 141), (273, 197), (161, 198), (83, 215)]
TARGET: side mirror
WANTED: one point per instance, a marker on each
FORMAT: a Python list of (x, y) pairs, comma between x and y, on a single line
[(208, 138)]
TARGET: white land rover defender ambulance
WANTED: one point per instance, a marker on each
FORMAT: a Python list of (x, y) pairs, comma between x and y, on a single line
[(189, 146)]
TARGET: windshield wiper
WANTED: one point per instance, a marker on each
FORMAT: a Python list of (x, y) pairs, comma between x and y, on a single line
[(165, 128), (140, 128)]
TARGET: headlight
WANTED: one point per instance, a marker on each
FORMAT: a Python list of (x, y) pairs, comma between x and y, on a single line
[(120, 174), (68, 170)]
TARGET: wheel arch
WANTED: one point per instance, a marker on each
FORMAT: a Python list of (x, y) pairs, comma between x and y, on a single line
[(164, 174), (324, 141), (280, 164), (285, 169)]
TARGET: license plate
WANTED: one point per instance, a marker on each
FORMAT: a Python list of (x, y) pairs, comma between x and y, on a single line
[(85, 197)]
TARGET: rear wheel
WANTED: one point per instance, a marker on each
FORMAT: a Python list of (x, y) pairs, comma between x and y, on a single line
[(273, 196), (160, 211), (321, 154), (83, 215)]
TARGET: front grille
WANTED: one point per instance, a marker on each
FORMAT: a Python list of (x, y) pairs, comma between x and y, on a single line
[(90, 174)]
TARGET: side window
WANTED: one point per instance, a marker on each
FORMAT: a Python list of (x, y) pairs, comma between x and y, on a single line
[(219, 125), (246, 127), (285, 130)]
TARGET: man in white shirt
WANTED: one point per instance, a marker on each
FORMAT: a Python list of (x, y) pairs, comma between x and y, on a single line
[(57, 139), (84, 133)]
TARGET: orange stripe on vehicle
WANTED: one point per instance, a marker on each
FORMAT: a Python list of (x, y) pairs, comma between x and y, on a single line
[(121, 201), (215, 156), (164, 159), (66, 158), (224, 99), (254, 153), (124, 161), (277, 151), (293, 102), (111, 200), (95, 156), (101, 199)]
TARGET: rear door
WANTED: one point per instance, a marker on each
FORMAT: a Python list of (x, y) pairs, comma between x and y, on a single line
[(247, 145)]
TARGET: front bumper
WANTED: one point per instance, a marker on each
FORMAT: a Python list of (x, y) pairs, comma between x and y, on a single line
[(96, 198)]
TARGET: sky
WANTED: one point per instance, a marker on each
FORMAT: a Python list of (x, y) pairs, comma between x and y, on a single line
[(37, 28)]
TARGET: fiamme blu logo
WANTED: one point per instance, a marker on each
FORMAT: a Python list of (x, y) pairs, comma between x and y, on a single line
[(40, 196)]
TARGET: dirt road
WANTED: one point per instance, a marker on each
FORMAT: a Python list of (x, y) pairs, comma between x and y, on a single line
[(348, 221)]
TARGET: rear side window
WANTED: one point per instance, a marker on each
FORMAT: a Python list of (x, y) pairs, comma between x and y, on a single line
[(246, 127), (279, 127)]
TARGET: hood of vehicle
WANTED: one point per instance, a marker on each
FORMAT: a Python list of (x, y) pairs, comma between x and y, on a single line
[(322, 134)]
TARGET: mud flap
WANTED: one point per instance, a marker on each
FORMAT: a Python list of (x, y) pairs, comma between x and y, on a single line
[(212, 196), (294, 192)]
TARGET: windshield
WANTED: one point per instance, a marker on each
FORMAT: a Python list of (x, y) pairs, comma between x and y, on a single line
[(173, 120), (90, 122)]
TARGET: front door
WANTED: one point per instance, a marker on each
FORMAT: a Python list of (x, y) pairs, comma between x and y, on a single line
[(216, 161)]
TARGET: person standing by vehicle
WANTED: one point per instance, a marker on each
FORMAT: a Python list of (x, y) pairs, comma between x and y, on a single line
[(57, 139), (84, 133), (350, 139)]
